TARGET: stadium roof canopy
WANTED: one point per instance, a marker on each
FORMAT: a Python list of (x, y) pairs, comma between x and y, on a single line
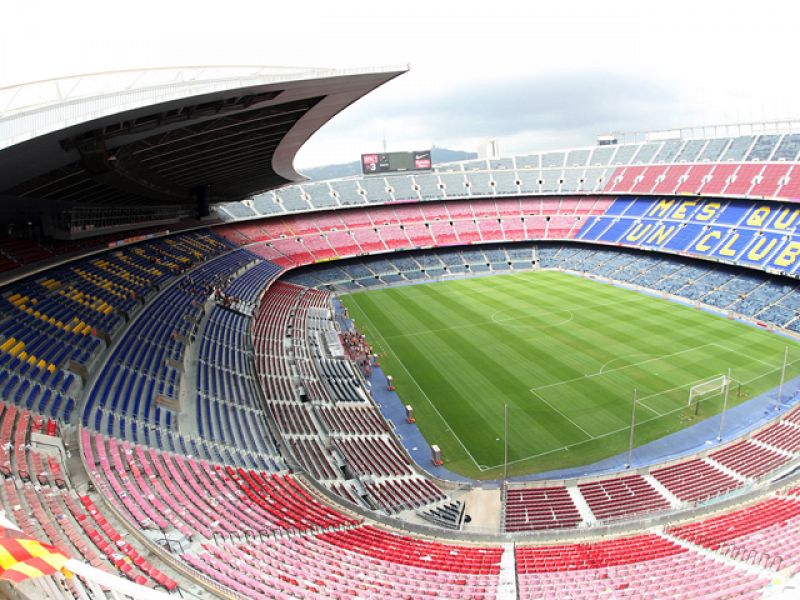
[(153, 136)]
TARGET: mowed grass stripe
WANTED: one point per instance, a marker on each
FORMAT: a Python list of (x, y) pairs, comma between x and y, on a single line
[(474, 345), (501, 350), (612, 391), (363, 309), (496, 368), (473, 356), (525, 325), (563, 352), (471, 393)]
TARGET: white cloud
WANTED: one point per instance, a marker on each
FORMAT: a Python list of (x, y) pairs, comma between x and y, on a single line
[(715, 61)]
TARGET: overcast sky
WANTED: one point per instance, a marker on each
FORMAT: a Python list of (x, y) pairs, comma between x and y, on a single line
[(533, 75)]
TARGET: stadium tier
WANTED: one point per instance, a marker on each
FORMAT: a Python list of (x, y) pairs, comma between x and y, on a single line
[(189, 413), (760, 235), (647, 565), (357, 562), (747, 166), (368, 464)]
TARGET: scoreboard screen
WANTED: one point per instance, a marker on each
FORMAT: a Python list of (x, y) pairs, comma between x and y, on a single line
[(392, 162)]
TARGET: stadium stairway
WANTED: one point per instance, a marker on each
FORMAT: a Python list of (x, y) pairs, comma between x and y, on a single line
[(674, 501), (507, 583), (738, 564), (773, 448), (581, 504)]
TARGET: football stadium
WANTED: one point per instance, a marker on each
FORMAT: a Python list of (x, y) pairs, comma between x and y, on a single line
[(564, 374)]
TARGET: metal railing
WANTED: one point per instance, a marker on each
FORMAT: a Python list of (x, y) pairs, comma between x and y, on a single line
[(717, 130)]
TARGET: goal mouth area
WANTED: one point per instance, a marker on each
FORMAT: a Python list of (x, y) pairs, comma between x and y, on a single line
[(711, 386)]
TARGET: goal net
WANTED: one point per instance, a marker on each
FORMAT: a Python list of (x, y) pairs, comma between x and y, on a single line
[(708, 387)]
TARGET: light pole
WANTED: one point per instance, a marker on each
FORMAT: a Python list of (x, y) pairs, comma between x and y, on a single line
[(783, 377), (633, 425), (724, 406)]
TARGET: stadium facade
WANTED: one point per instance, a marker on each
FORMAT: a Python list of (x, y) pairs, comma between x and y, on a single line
[(179, 409)]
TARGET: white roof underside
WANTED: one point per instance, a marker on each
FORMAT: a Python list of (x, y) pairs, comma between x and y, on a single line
[(34, 109)]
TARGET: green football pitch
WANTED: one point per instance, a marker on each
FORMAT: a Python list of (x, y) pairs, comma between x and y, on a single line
[(565, 354)]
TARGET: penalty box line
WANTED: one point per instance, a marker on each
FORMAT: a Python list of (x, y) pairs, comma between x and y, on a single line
[(589, 435), (535, 390), (608, 433), (622, 368), (669, 412)]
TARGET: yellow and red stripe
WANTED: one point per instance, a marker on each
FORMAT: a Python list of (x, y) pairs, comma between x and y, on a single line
[(22, 558)]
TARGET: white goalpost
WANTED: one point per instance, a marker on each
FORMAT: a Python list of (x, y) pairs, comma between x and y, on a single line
[(709, 387)]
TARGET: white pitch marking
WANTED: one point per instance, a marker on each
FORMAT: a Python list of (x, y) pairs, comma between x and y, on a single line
[(605, 364), (433, 406), (509, 322), (608, 433), (600, 372), (743, 355), (556, 312), (622, 368), (591, 437)]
